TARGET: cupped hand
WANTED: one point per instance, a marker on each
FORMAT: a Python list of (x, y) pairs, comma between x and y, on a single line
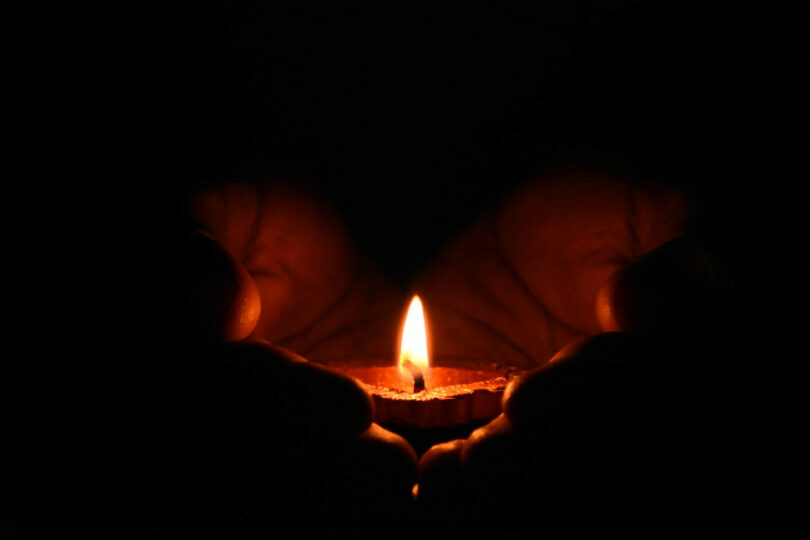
[(608, 436), (251, 438)]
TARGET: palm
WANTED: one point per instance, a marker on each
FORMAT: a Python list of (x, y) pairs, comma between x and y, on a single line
[(523, 281), (319, 296)]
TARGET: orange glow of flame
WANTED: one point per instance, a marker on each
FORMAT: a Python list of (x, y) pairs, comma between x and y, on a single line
[(413, 344)]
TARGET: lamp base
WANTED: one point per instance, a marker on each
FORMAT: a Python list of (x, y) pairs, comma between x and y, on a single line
[(456, 396)]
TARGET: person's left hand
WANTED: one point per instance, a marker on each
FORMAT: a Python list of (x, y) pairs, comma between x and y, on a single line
[(317, 294), (245, 437)]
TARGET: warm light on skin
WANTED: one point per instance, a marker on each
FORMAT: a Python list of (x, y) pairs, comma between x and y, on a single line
[(413, 345)]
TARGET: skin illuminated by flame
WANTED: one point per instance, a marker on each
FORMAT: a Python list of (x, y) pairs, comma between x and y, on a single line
[(413, 345)]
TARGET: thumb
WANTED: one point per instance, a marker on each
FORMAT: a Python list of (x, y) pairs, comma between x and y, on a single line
[(682, 285), (213, 296)]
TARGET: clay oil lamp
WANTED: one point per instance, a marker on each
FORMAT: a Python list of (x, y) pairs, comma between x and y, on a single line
[(412, 395)]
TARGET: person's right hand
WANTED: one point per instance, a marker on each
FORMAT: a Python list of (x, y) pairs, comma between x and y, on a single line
[(553, 263), (578, 449)]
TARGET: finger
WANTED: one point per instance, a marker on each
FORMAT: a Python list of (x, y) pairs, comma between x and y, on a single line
[(390, 459), (566, 233), (440, 474), (293, 245), (466, 486), (501, 487), (212, 297), (488, 445), (679, 287), (361, 485), (293, 398), (582, 381), (442, 496)]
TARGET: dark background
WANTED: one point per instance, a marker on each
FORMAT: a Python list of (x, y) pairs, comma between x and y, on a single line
[(413, 120)]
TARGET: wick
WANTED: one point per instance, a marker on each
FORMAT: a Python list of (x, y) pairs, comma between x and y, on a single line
[(418, 379)]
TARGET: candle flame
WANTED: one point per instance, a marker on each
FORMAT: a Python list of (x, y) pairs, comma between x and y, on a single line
[(413, 345)]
